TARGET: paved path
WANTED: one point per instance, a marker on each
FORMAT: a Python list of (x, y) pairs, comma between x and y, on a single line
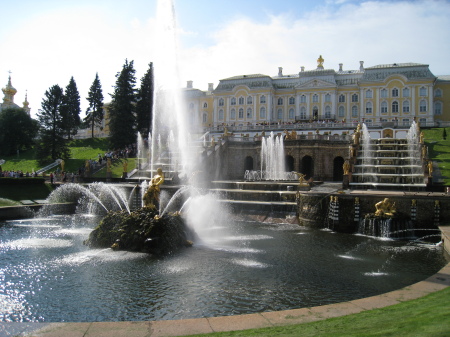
[(185, 327)]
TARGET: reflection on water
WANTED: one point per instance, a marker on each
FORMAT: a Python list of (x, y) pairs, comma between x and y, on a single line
[(47, 274)]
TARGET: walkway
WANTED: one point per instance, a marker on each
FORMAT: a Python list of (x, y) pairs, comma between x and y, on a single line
[(185, 327)]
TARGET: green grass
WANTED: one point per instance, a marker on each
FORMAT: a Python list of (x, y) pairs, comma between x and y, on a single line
[(10, 193), (439, 151), (426, 316)]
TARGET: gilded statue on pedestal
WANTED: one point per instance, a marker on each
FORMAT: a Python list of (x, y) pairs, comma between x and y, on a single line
[(151, 196), (385, 208)]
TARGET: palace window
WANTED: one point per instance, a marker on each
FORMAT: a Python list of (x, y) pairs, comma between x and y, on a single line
[(205, 118), (221, 102), (280, 101), (328, 112), (438, 108), (249, 100), (233, 101), (369, 93), (355, 98), (341, 111), (423, 92), (205, 105), (395, 92), (423, 121), (384, 107), (315, 98), (302, 112), (249, 113), (438, 93), (262, 99), (280, 114), (423, 106), (354, 111), (220, 115), (241, 100), (406, 106), (302, 99), (241, 113), (368, 107), (291, 113), (327, 98), (395, 107), (405, 92), (341, 98), (383, 93), (291, 100), (405, 121), (233, 113), (262, 113)]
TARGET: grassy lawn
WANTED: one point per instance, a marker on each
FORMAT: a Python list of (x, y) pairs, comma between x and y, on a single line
[(426, 316), (439, 151)]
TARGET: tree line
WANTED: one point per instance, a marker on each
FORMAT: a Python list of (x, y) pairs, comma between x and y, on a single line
[(58, 120)]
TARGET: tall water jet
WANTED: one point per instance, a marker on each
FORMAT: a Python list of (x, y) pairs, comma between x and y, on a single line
[(367, 154), (273, 165), (169, 110), (414, 152)]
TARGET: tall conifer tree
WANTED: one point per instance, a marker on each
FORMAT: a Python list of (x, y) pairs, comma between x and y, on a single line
[(70, 109), (52, 144), (122, 118), (94, 113), (144, 106)]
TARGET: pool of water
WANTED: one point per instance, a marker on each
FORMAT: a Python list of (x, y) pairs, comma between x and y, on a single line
[(48, 275)]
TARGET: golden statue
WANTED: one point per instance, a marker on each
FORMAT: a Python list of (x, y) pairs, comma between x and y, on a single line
[(320, 61), (421, 137), (301, 178), (151, 196), (125, 166), (346, 167), (385, 208), (357, 135), (430, 167), (62, 165), (108, 165), (424, 151)]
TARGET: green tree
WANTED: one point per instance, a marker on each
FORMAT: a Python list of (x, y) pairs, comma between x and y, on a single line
[(144, 106), (17, 131), (122, 118), (70, 109), (94, 113), (52, 143)]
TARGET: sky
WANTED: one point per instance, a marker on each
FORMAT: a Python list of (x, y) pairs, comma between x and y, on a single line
[(46, 42)]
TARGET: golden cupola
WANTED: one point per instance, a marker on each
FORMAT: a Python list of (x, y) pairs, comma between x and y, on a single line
[(9, 91)]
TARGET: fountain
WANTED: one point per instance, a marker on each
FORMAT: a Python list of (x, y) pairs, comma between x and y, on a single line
[(272, 158), (234, 266), (389, 163)]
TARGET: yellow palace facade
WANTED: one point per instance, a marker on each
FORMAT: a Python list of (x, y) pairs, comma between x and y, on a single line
[(394, 92)]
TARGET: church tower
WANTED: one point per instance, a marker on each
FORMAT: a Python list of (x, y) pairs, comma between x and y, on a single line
[(9, 91)]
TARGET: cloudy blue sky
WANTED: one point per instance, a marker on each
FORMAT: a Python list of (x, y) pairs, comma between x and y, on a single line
[(45, 42)]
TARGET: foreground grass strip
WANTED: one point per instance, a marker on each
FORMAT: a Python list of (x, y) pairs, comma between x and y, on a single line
[(426, 316)]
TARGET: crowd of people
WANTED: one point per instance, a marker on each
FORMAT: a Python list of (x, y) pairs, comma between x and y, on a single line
[(17, 174)]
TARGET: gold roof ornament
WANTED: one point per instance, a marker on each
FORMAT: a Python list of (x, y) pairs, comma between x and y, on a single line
[(9, 91), (320, 61)]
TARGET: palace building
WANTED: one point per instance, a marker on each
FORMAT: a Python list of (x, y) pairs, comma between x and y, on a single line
[(398, 92), (8, 100)]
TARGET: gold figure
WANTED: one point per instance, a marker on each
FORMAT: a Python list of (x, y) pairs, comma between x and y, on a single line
[(346, 167), (108, 165), (320, 61), (301, 178), (385, 208), (421, 137), (151, 196), (430, 167), (356, 200), (357, 135)]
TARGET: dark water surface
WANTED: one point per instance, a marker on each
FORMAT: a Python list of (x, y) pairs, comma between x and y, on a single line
[(48, 275)]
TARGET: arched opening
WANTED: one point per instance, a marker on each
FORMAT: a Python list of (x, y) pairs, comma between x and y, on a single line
[(338, 170), (289, 160), (248, 163), (307, 167)]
